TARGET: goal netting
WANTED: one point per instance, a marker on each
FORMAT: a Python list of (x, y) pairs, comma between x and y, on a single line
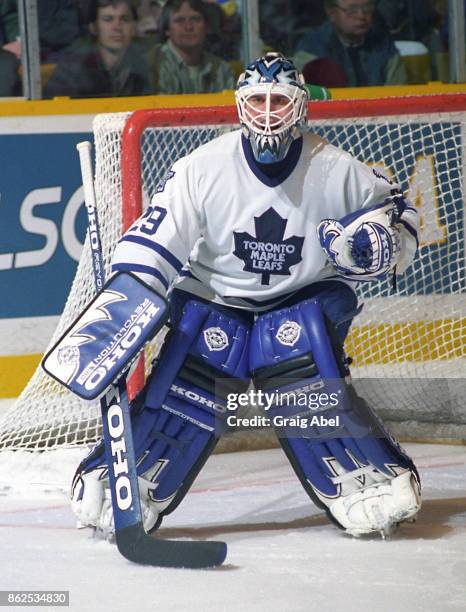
[(408, 344)]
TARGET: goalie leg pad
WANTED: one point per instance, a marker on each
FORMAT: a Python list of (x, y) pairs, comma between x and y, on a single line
[(345, 469), (187, 402), (178, 419)]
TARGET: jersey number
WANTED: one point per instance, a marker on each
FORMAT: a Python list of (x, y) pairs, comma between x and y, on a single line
[(151, 220)]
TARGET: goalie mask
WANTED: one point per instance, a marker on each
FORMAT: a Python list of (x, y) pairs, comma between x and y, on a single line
[(272, 106)]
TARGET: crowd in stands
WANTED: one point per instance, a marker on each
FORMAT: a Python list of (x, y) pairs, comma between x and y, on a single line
[(182, 62), (351, 44), (137, 47), (106, 63)]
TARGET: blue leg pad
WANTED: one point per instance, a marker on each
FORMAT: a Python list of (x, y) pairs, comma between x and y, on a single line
[(297, 354), (178, 418)]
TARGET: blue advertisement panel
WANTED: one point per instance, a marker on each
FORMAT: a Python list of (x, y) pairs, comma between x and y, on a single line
[(42, 221)]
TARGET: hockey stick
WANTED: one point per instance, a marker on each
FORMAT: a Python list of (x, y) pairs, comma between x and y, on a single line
[(132, 540)]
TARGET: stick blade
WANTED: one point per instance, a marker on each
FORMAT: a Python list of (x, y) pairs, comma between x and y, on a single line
[(137, 546)]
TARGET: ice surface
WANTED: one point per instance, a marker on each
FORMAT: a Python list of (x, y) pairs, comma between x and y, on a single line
[(283, 554)]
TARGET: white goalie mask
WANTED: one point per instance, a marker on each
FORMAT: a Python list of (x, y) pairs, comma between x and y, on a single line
[(272, 106)]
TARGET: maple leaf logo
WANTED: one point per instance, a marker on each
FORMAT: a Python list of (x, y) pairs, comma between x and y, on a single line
[(268, 252)]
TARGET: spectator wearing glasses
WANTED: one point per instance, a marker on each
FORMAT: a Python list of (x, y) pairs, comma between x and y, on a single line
[(350, 38), (182, 63)]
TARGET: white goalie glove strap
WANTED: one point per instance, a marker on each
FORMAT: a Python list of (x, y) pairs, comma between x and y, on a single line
[(378, 508), (408, 226), (91, 503)]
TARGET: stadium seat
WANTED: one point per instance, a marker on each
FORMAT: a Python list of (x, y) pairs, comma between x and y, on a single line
[(416, 58)]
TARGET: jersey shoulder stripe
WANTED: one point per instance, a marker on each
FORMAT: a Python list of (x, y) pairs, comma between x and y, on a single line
[(132, 267), (158, 248)]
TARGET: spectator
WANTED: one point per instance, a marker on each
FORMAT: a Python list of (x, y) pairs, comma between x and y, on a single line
[(9, 27), (326, 72), (149, 17), (349, 39), (110, 63), (283, 23), (224, 35), (408, 19), (182, 64), (9, 82), (58, 26), (9, 30)]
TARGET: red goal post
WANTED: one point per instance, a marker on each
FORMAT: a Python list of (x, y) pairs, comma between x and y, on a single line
[(413, 338), (227, 115)]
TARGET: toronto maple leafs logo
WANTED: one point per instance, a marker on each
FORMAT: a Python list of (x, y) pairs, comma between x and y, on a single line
[(68, 355), (268, 252), (68, 358), (215, 338), (288, 333)]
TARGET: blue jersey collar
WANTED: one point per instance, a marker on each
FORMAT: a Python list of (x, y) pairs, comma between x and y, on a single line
[(273, 174)]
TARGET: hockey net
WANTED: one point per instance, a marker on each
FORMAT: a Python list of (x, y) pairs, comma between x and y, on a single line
[(408, 344)]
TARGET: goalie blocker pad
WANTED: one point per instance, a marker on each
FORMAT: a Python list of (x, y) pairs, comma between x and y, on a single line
[(105, 339)]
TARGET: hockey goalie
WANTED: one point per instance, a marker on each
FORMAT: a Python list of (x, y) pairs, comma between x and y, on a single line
[(257, 240)]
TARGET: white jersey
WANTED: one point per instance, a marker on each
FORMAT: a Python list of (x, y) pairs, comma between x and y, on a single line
[(219, 228)]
